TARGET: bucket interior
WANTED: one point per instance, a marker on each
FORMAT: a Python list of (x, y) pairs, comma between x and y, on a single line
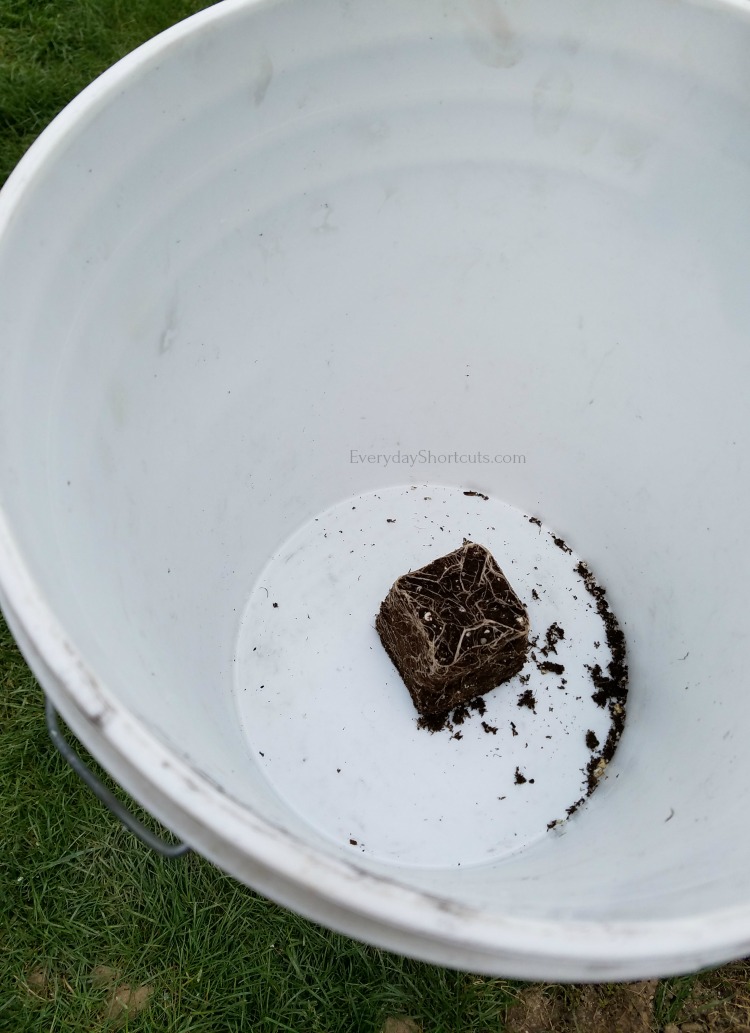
[(313, 236)]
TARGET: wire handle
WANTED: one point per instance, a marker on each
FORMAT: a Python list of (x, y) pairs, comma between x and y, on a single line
[(119, 810)]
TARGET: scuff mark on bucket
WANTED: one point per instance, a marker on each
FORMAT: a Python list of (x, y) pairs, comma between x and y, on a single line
[(169, 333), (490, 35), (263, 77)]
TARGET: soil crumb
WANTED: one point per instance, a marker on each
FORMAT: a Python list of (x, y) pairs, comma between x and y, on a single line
[(592, 742), (460, 714), (434, 722), (527, 699), (552, 636)]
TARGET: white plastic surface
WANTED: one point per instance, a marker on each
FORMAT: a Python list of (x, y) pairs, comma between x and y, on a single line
[(289, 241), (331, 724)]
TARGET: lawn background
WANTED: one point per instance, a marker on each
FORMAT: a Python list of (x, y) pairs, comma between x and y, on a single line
[(90, 921)]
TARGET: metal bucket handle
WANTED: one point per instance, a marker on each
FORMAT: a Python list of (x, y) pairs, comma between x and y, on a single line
[(119, 810)]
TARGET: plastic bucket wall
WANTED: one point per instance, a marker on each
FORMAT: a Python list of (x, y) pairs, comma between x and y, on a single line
[(285, 235)]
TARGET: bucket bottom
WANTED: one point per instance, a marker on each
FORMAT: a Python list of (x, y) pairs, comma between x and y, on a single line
[(332, 726)]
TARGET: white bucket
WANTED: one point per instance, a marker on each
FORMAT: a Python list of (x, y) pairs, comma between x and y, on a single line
[(283, 238)]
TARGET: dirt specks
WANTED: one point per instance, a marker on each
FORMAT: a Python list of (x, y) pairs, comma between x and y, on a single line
[(592, 742), (552, 636), (611, 686), (527, 699), (449, 718)]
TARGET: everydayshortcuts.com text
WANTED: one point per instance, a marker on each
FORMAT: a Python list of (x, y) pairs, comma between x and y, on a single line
[(425, 457)]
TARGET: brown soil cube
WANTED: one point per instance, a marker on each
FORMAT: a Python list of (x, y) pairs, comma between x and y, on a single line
[(454, 629)]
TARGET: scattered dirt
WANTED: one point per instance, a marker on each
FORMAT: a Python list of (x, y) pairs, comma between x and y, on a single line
[(612, 691), (103, 975), (400, 1025), (460, 714), (527, 699), (592, 742), (547, 667), (435, 722), (552, 636), (628, 1008), (609, 678), (449, 718), (619, 1008), (612, 686), (39, 985), (718, 1002), (536, 1011), (126, 1001)]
